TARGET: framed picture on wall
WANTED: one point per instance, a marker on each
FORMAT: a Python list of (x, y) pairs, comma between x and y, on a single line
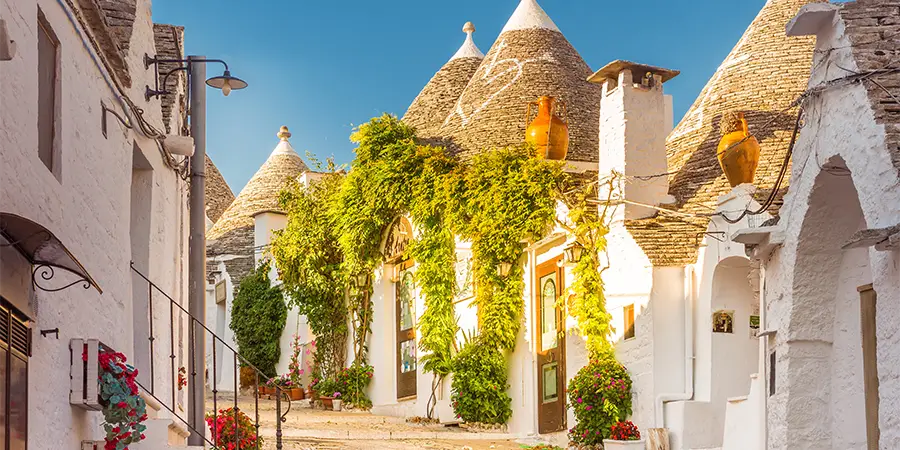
[(723, 321), (754, 326)]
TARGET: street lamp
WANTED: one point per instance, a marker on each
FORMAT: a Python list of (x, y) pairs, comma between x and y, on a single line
[(195, 68), (504, 268), (362, 280)]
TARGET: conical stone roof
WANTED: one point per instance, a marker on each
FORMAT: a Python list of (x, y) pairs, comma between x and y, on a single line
[(429, 109), (530, 58), (764, 73), (233, 233), (218, 195)]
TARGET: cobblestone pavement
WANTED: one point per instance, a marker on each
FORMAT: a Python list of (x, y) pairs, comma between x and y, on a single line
[(309, 428)]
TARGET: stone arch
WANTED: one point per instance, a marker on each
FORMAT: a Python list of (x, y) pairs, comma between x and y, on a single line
[(735, 352), (810, 349)]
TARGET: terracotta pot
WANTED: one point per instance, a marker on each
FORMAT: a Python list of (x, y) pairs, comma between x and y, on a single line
[(262, 391), (548, 132), (327, 402), (297, 394), (609, 444), (738, 151)]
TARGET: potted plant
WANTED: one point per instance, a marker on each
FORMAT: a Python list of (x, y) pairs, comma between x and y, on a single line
[(336, 402), (624, 436), (124, 410), (230, 426)]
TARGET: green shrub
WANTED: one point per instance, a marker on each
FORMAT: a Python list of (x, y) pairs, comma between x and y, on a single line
[(352, 383), (479, 384), (257, 319), (600, 396)]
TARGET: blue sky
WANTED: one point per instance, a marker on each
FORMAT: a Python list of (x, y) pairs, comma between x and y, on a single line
[(320, 67)]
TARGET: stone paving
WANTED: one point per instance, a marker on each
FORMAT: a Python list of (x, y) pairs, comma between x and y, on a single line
[(309, 428)]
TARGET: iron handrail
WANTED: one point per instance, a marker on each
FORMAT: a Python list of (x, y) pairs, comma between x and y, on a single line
[(238, 361)]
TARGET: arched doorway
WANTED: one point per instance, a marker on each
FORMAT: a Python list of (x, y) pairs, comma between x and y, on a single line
[(735, 348), (821, 362)]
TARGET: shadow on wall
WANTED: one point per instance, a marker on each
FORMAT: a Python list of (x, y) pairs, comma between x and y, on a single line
[(702, 167)]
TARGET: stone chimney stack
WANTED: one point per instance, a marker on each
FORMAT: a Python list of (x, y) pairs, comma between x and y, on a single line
[(635, 119)]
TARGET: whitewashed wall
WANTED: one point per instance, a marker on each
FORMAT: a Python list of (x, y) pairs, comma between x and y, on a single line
[(808, 277), (88, 209)]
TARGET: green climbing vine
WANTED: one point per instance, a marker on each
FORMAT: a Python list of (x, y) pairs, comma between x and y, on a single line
[(588, 223), (258, 316), (500, 200)]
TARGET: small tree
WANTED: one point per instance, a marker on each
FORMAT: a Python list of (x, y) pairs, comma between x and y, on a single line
[(257, 319)]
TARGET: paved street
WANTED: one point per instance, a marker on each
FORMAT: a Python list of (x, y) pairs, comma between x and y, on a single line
[(309, 428)]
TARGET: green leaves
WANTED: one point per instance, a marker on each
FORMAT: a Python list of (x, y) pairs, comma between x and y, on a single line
[(480, 383), (600, 396), (257, 319)]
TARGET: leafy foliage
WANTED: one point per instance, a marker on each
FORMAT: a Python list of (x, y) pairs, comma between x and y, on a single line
[(309, 258), (480, 383), (257, 319), (352, 383), (505, 197), (600, 396), (124, 410), (587, 304)]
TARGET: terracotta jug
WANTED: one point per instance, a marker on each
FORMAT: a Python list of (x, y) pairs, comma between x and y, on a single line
[(738, 151), (548, 132)]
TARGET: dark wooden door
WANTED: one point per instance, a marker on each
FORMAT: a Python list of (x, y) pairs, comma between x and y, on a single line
[(551, 350), (868, 300), (406, 333)]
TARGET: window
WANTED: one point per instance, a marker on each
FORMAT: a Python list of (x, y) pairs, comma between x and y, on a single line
[(15, 348), (772, 373), (48, 90), (629, 322)]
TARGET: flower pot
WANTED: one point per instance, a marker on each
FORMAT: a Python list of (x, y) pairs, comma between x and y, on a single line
[(296, 394), (262, 391), (738, 151), (327, 402), (548, 132), (336, 404), (609, 444)]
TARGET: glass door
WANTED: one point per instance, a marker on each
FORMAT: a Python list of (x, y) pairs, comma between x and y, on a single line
[(406, 333)]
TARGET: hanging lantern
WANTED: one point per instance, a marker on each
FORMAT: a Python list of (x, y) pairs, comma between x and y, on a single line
[(548, 132), (573, 253), (362, 280), (738, 151), (504, 268)]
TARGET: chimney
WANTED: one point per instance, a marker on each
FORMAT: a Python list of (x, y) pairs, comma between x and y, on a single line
[(635, 119)]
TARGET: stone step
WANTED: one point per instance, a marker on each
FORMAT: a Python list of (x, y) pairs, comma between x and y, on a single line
[(369, 435)]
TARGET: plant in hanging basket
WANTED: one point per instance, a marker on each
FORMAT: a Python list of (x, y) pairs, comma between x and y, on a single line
[(124, 411), (230, 427)]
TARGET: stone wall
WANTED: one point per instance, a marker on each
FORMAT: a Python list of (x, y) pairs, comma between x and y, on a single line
[(87, 207)]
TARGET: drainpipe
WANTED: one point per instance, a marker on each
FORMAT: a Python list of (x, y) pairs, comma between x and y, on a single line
[(688, 394), (763, 365)]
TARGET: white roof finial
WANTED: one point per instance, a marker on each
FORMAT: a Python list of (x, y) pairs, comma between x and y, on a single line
[(468, 49), (529, 15), (283, 133), (284, 146)]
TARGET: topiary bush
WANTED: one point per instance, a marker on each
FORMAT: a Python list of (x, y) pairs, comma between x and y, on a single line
[(479, 384), (258, 316), (600, 396)]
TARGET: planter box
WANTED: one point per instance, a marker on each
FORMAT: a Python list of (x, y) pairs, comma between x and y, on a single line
[(92, 445), (84, 391), (609, 444)]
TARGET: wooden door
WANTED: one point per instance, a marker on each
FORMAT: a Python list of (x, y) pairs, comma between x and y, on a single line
[(868, 299), (551, 341), (406, 333)]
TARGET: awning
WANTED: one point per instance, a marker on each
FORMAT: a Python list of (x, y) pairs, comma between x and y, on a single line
[(44, 251)]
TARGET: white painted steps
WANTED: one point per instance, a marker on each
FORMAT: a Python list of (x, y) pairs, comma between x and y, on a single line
[(743, 430)]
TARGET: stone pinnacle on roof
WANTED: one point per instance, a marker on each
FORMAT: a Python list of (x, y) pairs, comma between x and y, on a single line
[(531, 58), (529, 15), (429, 109), (468, 49)]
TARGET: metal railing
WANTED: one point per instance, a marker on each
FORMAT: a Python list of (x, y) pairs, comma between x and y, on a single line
[(195, 326)]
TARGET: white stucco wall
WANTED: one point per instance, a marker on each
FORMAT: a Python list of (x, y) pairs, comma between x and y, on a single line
[(841, 130), (88, 208)]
